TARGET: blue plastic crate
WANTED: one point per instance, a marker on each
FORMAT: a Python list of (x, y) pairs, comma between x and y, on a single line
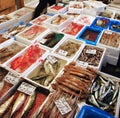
[(114, 26), (93, 112), (99, 20), (93, 30)]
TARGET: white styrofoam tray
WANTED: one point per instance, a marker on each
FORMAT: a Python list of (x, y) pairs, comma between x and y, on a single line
[(100, 61), (62, 24), (110, 50), (31, 36), (8, 63), (24, 14), (63, 53)]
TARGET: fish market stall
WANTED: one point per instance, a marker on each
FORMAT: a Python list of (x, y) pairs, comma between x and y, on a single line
[(52, 66)]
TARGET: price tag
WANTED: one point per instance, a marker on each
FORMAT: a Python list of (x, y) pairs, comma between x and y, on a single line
[(26, 88), (63, 106), (52, 59), (89, 51), (81, 64), (63, 52), (12, 78), (108, 32), (43, 41)]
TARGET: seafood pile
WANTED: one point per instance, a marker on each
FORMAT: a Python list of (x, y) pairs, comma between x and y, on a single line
[(58, 6), (115, 26), (4, 19), (40, 19), (16, 29), (22, 105), (106, 13), (2, 39), (59, 105), (117, 16), (47, 71), (90, 35), (76, 5), (58, 20), (75, 15), (110, 38), (75, 80), (21, 12), (104, 93), (70, 47), (101, 22), (24, 61), (91, 55), (33, 32), (85, 19), (51, 39), (73, 28), (7, 52)]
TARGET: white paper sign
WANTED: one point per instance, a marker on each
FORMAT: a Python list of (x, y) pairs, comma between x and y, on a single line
[(81, 64), (12, 78), (52, 59), (63, 52), (27, 88), (90, 51), (63, 106)]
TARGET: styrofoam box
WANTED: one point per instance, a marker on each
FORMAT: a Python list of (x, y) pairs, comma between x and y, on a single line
[(71, 29), (7, 64), (7, 23), (111, 59), (42, 41), (10, 42), (15, 29), (85, 19), (33, 70), (74, 15), (61, 25), (54, 11), (100, 61), (116, 79), (107, 11), (93, 7), (40, 20), (112, 51), (24, 14), (26, 41), (75, 7), (32, 4), (66, 39)]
